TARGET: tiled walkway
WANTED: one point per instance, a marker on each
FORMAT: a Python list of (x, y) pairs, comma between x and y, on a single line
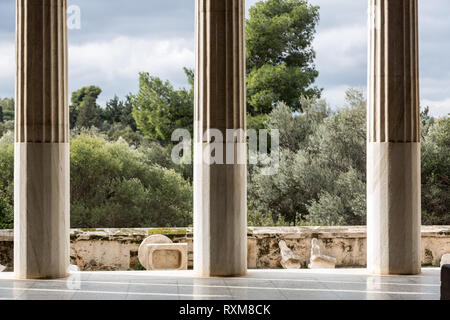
[(347, 284)]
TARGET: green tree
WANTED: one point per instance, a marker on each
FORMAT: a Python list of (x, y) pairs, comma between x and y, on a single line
[(115, 185), (6, 126), (7, 107), (190, 74), (7, 163), (295, 128), (436, 172), (118, 130), (6, 180), (90, 114), (6, 212), (337, 157), (256, 122), (118, 111), (280, 57), (84, 111), (321, 179), (81, 94), (113, 110), (427, 121), (159, 109)]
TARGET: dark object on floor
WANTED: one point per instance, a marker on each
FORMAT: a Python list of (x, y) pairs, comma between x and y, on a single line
[(445, 282)]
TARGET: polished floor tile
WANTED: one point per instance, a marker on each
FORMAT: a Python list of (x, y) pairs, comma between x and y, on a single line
[(86, 296), (339, 284), (257, 294)]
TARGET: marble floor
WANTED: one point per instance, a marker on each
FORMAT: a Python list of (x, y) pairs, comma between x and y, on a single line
[(339, 284)]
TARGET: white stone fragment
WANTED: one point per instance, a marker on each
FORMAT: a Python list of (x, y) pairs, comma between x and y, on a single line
[(289, 260), (73, 268), (318, 260), (157, 252), (172, 256)]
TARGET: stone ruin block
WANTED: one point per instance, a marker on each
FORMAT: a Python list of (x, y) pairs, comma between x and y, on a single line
[(157, 252), (289, 260), (322, 262), (171, 256), (319, 260)]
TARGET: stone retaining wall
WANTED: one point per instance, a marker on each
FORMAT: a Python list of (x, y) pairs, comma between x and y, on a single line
[(116, 249)]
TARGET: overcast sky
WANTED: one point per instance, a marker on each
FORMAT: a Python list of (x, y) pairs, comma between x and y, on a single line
[(118, 39)]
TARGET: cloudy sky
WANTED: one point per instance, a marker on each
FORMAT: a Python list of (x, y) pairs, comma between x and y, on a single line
[(118, 39)]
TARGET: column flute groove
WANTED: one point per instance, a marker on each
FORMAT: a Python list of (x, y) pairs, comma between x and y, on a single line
[(393, 116)]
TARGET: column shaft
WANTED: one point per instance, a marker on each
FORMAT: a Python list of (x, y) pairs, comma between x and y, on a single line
[(220, 190), (393, 157), (41, 169)]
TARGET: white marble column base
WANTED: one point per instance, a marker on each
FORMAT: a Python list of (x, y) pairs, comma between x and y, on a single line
[(393, 208), (41, 210), (220, 217)]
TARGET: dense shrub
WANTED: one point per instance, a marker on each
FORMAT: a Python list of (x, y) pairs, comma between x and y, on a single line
[(6, 180), (322, 174), (115, 185), (112, 185), (436, 172), (120, 178)]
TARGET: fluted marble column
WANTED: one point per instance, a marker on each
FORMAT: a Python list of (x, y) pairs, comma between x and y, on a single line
[(41, 172), (393, 158), (220, 190)]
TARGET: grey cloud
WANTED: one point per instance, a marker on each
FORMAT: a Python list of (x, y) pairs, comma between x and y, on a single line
[(106, 20)]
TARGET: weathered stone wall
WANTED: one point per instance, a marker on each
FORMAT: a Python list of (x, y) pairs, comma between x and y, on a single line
[(346, 244), (6, 249), (116, 249)]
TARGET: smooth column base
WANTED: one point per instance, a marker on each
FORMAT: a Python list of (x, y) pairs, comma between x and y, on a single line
[(41, 210), (220, 217), (393, 208)]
